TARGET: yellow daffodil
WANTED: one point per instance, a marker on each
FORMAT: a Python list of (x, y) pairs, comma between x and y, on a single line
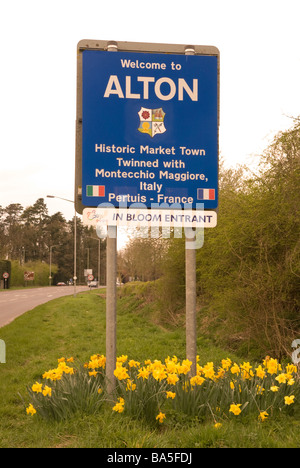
[(157, 365), (93, 364), (52, 375), (171, 367), (96, 361), (281, 378), (171, 395), (247, 373), (289, 400), (235, 369), (274, 388), (133, 363), (185, 367), (143, 373), (102, 361), (226, 363), (159, 374), (160, 417), (235, 409), (30, 410), (47, 391), (272, 366), (263, 415), (260, 372), (291, 369), (56, 374), (209, 371), (37, 387), (221, 373), (130, 385), (119, 407), (197, 380), (291, 381), (122, 358), (172, 379), (121, 373)]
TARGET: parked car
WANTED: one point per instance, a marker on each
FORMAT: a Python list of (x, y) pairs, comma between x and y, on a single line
[(61, 284), (93, 284)]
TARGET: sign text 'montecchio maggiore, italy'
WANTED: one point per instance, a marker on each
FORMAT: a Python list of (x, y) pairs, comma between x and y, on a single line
[(149, 129)]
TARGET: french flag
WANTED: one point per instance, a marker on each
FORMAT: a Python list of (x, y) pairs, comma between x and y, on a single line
[(206, 194)]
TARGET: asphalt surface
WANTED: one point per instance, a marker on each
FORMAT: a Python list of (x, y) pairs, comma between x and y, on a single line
[(16, 302)]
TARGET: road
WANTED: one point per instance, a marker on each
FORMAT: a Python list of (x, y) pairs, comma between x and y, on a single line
[(17, 302)]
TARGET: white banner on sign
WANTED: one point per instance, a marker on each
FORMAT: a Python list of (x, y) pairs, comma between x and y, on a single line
[(141, 217)]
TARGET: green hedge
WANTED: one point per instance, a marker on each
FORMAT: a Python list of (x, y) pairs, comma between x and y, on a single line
[(41, 273)]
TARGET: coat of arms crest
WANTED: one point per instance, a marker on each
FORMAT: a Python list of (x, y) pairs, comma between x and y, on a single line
[(152, 121)]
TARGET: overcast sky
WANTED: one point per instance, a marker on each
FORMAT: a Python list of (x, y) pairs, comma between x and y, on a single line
[(260, 75)]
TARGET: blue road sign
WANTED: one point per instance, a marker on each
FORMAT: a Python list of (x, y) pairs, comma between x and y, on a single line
[(149, 129)]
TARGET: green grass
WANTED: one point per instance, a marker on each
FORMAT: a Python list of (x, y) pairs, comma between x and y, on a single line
[(76, 327)]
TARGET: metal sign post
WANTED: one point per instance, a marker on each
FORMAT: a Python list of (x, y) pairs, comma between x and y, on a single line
[(190, 294), (190, 290), (111, 295), (111, 308)]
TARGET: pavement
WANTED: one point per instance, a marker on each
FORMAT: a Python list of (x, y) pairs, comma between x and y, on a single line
[(14, 303)]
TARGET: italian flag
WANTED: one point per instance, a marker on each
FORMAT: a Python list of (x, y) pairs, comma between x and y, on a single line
[(206, 194), (95, 190)]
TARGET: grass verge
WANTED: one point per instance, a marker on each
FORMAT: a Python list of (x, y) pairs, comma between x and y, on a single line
[(76, 327)]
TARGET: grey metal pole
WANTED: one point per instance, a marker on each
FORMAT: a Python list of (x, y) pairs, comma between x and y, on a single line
[(75, 251), (99, 260), (111, 293), (50, 275), (111, 308), (191, 299)]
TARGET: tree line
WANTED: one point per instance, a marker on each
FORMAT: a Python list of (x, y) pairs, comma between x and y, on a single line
[(28, 235), (248, 270)]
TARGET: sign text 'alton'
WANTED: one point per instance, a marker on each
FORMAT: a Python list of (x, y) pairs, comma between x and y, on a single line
[(164, 88)]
